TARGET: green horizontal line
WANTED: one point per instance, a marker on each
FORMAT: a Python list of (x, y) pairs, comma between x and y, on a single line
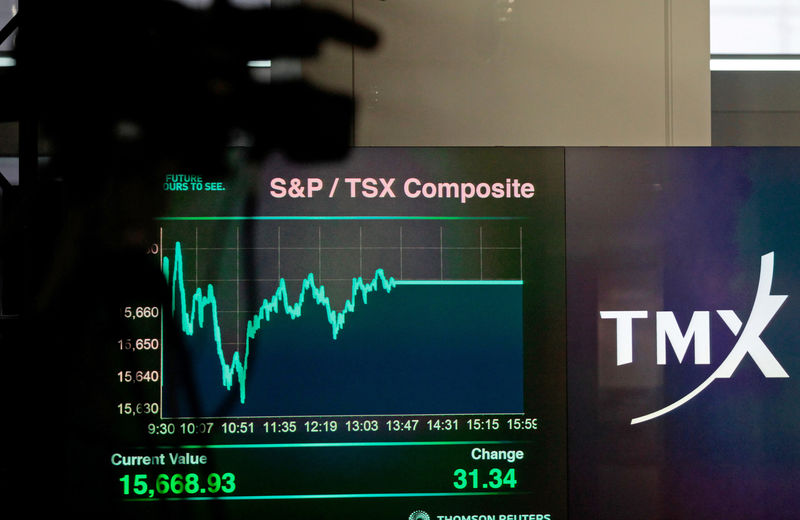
[(329, 444), (458, 282), (329, 496), (331, 217)]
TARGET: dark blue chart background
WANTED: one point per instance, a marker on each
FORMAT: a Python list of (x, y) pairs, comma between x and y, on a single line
[(420, 349), (681, 230)]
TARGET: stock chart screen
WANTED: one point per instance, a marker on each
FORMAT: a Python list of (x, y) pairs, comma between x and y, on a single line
[(381, 338)]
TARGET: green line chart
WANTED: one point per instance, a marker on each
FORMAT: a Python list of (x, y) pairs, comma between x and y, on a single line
[(267, 297)]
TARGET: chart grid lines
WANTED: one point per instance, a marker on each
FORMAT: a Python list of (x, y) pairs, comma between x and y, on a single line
[(332, 256)]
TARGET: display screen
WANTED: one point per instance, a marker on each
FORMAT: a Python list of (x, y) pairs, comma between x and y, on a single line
[(380, 338), (463, 333), (682, 303)]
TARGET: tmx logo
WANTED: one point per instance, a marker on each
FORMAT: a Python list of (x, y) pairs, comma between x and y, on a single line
[(765, 306)]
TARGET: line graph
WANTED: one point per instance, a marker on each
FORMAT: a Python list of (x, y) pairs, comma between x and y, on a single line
[(345, 344)]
